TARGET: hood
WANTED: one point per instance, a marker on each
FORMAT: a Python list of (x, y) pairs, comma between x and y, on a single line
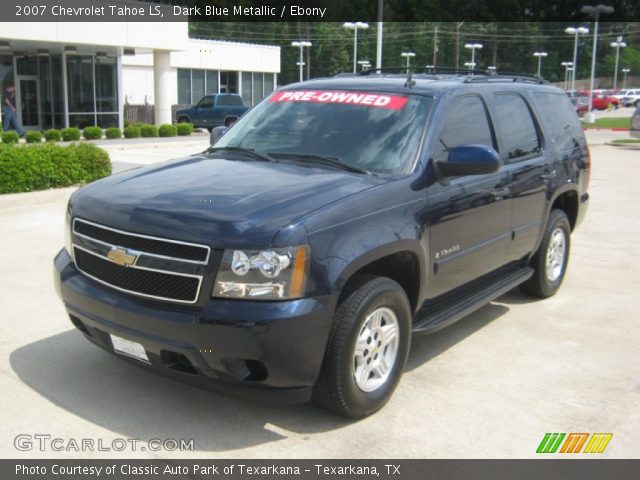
[(223, 203)]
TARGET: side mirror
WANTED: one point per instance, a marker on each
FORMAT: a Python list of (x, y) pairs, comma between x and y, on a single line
[(469, 160), (216, 134), (230, 120)]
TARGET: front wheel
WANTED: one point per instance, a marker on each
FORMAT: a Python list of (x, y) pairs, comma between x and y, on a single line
[(367, 349), (550, 261)]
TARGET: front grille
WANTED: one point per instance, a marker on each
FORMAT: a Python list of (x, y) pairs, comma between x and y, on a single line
[(143, 243), (155, 284)]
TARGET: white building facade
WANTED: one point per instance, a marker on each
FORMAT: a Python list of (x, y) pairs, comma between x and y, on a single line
[(81, 74)]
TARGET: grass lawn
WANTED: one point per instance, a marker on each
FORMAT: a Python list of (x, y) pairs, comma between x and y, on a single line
[(615, 122), (625, 141)]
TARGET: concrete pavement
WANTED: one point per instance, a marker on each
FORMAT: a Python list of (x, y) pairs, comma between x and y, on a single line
[(489, 386)]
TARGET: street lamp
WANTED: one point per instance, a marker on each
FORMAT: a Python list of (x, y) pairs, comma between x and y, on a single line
[(355, 26), (429, 68), (540, 55), (301, 44), (470, 65), (492, 69), (618, 44), (473, 47), (594, 12), (408, 56), (567, 66), (624, 78), (577, 32), (364, 64)]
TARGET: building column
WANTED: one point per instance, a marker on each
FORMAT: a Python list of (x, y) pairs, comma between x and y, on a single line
[(162, 86)]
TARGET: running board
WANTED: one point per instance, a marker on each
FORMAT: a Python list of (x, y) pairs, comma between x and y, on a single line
[(440, 314)]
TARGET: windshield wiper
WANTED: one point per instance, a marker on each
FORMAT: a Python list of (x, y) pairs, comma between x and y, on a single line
[(323, 160), (247, 151)]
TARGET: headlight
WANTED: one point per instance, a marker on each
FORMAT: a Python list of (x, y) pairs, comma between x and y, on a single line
[(272, 274), (67, 234)]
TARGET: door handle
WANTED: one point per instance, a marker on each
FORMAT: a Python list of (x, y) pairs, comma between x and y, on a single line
[(548, 175), (500, 192)]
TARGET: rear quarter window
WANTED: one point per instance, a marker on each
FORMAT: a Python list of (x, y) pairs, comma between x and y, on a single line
[(565, 130), (516, 126)]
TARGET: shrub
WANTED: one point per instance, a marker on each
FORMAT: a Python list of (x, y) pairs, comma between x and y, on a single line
[(10, 137), (127, 123), (149, 131), (113, 132), (70, 134), (52, 135), (138, 124), (33, 136), (184, 129), (92, 133), (167, 130), (132, 132), (36, 167)]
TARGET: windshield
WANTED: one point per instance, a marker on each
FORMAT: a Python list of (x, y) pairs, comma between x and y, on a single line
[(377, 132)]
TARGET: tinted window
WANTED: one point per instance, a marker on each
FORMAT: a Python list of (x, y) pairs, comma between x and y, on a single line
[(205, 102), (229, 101), (565, 129), (515, 124), (465, 123)]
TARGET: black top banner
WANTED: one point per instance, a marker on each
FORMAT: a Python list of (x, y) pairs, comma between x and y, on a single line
[(309, 10)]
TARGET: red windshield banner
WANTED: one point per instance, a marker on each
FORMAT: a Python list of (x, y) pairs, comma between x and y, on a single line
[(393, 102)]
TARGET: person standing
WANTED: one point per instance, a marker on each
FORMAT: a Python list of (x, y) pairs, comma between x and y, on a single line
[(9, 112)]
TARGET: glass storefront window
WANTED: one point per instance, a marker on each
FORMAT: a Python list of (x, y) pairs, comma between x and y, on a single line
[(268, 83), (246, 88), (257, 87), (80, 83), (106, 85), (212, 81), (197, 85), (184, 86)]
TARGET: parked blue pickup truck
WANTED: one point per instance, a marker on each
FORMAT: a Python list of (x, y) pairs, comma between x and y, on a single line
[(213, 111)]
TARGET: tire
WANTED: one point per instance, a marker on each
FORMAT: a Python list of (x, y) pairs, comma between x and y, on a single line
[(378, 307), (637, 104), (183, 119), (550, 261)]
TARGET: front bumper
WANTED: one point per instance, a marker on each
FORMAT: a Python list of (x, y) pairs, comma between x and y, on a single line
[(270, 351)]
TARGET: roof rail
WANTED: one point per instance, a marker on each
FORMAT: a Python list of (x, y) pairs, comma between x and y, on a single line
[(436, 72)]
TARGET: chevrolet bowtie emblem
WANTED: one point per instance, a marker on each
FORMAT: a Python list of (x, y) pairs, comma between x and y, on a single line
[(122, 257)]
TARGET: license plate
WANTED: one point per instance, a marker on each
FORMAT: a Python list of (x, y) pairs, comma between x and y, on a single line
[(129, 348)]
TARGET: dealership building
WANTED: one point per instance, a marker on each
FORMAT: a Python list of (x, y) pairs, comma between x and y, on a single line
[(81, 74)]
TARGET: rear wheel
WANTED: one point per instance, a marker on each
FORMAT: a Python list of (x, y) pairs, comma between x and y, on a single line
[(367, 349), (183, 119), (550, 261)]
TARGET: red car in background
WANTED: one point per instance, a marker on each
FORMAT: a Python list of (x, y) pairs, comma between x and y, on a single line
[(580, 105), (602, 102)]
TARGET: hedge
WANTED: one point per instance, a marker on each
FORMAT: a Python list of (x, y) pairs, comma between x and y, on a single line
[(70, 134), (184, 129), (92, 133), (167, 130), (10, 137), (113, 132), (52, 135), (33, 136), (37, 167), (149, 131), (132, 132)]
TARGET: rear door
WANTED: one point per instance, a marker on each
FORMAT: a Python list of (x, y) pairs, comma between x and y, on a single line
[(470, 227), (521, 150)]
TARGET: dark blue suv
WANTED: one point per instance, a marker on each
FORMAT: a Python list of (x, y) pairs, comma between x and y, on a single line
[(333, 221)]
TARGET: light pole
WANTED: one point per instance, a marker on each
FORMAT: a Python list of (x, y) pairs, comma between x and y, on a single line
[(364, 64), (492, 69), (470, 65), (594, 12), (577, 32), (618, 44), (355, 26), (540, 55), (301, 44), (473, 47), (429, 68), (408, 56), (566, 66), (624, 77)]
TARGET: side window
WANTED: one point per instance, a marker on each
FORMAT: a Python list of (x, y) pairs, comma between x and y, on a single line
[(205, 102), (564, 124), (465, 123), (515, 124)]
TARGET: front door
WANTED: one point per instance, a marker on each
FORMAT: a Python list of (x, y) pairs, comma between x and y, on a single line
[(471, 216), (27, 102)]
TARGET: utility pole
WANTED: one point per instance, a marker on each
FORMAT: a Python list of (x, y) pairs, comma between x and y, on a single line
[(379, 34), (435, 46)]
